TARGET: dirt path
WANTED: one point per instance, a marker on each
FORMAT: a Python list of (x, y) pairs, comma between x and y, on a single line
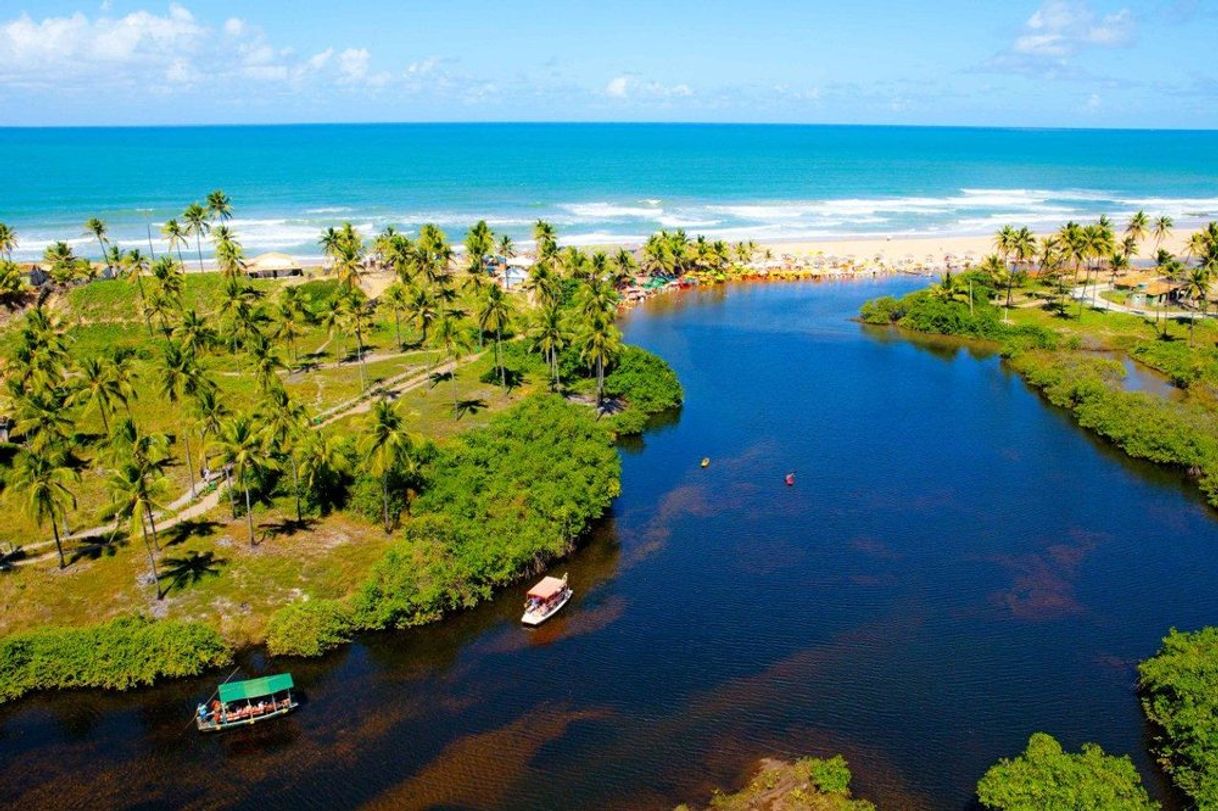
[(177, 512)]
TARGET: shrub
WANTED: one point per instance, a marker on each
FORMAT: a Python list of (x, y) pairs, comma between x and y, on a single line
[(501, 501), (645, 381), (1045, 776), (308, 628), (831, 776), (884, 310), (1180, 695), (117, 655)]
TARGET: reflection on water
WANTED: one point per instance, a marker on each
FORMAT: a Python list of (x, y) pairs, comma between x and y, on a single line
[(956, 567)]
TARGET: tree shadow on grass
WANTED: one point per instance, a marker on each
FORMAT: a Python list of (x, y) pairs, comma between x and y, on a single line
[(468, 407), (183, 531), (285, 528), (437, 378), (96, 547), (10, 554), (180, 572)]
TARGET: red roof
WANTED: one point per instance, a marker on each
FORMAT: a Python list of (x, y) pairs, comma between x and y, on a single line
[(547, 588)]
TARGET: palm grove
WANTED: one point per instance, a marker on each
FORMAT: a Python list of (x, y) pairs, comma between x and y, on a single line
[(54, 388)]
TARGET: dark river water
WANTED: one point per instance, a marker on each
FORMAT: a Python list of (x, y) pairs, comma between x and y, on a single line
[(956, 567)]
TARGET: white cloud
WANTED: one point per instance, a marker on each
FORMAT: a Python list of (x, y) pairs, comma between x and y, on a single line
[(627, 86), (146, 49), (1061, 28), (1094, 103), (618, 87)]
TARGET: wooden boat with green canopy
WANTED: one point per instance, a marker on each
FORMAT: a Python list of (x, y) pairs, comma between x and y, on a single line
[(241, 703)]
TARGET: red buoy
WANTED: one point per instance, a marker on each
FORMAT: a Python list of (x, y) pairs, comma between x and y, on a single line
[(790, 479)]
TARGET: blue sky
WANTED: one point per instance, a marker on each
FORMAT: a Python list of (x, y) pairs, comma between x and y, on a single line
[(1073, 63)]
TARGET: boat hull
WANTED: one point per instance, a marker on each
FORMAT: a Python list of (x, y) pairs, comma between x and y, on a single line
[(534, 618), (221, 726)]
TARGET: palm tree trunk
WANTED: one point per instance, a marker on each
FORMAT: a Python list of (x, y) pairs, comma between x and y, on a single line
[(190, 468), (58, 545), (296, 488), (385, 502), (199, 246), (397, 323), (249, 516), (499, 356), (101, 409), (232, 494), (156, 578), (359, 355)]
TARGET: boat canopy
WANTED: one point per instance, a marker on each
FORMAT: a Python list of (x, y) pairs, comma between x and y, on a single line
[(255, 688), (547, 588)]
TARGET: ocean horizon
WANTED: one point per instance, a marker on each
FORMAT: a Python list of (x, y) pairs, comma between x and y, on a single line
[(597, 182)]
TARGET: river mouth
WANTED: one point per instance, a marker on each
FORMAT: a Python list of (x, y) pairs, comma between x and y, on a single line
[(956, 566)]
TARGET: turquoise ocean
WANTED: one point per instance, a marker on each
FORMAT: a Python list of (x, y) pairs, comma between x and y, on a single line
[(596, 182)]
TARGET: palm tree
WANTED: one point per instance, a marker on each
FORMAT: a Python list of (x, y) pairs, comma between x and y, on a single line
[(8, 241), (197, 225), (219, 206), (352, 306), (1138, 225), (283, 421), (135, 486), (1162, 230), (290, 316), (175, 236), (546, 238), (122, 371), (242, 447), (386, 447), (208, 412), (452, 335), (1197, 288), (229, 256), (42, 476), (321, 457), (422, 309), (193, 332), (599, 343), (264, 362), (96, 389), (98, 229), (506, 248), (179, 376), (495, 315), (549, 335), (396, 299)]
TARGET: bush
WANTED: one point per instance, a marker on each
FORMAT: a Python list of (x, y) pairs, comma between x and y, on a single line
[(309, 628), (1141, 424), (118, 655), (645, 381), (1045, 776), (1180, 695), (925, 311), (831, 776), (884, 310), (501, 501)]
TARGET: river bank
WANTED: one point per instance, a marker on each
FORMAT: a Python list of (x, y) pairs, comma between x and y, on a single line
[(662, 679)]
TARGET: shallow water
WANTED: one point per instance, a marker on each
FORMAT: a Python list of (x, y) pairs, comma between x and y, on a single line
[(956, 567)]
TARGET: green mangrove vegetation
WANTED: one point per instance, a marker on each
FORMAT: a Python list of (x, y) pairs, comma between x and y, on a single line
[(1179, 688), (117, 655), (1046, 776)]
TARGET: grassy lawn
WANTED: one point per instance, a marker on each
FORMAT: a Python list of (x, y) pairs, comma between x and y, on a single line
[(210, 570)]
